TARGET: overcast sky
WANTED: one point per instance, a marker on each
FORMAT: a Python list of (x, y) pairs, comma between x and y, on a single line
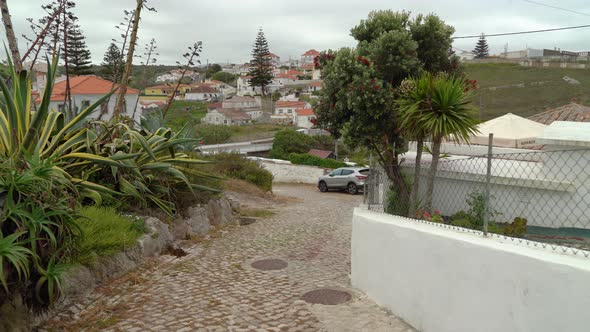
[(228, 28)]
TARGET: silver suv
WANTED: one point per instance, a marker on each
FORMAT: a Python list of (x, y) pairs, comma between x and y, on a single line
[(352, 179)]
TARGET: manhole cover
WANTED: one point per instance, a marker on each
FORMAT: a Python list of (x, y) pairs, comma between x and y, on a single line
[(269, 264), (326, 296)]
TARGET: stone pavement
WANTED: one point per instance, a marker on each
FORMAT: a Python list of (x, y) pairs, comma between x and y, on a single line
[(215, 287)]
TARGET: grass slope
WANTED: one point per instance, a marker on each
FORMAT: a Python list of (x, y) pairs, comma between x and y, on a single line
[(529, 97), (182, 112)]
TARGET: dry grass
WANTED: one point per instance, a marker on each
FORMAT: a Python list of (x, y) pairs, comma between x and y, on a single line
[(243, 187), (256, 213)]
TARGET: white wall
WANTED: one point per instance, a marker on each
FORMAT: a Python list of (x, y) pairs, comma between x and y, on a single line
[(442, 280), (130, 102), (288, 173)]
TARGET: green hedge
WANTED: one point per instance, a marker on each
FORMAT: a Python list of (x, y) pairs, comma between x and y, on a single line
[(307, 159)]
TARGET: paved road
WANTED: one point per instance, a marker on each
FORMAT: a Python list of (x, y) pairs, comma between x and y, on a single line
[(215, 288)]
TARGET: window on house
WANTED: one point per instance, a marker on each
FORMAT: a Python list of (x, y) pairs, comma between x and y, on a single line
[(85, 104), (61, 108)]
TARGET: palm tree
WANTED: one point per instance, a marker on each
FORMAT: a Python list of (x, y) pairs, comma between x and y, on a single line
[(414, 100), (442, 108)]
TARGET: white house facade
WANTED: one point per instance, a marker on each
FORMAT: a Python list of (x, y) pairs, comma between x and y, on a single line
[(86, 90)]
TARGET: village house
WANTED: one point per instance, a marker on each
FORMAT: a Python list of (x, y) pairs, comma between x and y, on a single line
[(228, 117), (240, 102), (244, 88), (275, 60), (305, 118), (224, 88), (175, 75), (167, 90), (87, 89), (202, 93), (308, 57), (286, 107), (314, 86)]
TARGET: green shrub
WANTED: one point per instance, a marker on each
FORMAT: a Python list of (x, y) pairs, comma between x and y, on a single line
[(213, 134), (517, 228), (462, 222), (236, 166), (307, 159), (105, 232), (289, 141)]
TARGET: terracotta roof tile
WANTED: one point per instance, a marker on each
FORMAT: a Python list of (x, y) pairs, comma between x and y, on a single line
[(311, 52), (203, 89), (290, 103), (320, 153), (570, 112), (305, 112), (85, 85)]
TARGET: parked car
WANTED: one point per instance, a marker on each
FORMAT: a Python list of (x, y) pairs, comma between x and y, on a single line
[(351, 179)]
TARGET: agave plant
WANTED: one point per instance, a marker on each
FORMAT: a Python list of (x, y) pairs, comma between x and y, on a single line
[(45, 132), (154, 167)]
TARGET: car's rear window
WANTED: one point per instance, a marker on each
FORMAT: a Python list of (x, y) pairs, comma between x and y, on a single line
[(364, 171), (347, 172)]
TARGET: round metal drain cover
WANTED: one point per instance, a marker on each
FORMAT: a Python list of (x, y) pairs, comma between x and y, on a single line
[(269, 264), (326, 296)]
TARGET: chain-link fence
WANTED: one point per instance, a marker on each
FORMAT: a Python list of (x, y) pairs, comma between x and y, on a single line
[(541, 197)]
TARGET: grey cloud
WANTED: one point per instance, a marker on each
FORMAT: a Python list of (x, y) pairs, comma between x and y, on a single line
[(228, 27)]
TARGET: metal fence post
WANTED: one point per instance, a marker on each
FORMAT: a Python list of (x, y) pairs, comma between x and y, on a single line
[(487, 191)]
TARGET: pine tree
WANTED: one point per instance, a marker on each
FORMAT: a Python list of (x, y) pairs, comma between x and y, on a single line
[(481, 48), (78, 55), (112, 65), (261, 65)]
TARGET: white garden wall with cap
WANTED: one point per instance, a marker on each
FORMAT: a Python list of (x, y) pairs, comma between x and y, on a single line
[(443, 280)]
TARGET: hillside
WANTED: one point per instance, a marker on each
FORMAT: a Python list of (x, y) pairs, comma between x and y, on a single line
[(529, 91)]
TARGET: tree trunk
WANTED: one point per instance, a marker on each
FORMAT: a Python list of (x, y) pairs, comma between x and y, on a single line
[(127, 72), (12, 42), (416, 185), (436, 142)]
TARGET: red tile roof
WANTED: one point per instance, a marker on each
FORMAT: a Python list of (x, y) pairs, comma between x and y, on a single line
[(285, 75), (311, 52), (85, 85), (294, 72), (570, 112), (203, 89), (290, 103), (316, 83), (213, 106), (320, 153), (304, 112), (234, 114), (308, 66)]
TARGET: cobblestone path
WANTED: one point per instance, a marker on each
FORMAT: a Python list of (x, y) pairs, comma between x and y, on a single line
[(215, 288)]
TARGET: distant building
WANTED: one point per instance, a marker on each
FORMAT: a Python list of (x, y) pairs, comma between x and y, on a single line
[(240, 102), (288, 108), (305, 118), (571, 112), (87, 89), (308, 57), (175, 75), (275, 60), (228, 117), (166, 90), (322, 154), (202, 93), (466, 56)]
